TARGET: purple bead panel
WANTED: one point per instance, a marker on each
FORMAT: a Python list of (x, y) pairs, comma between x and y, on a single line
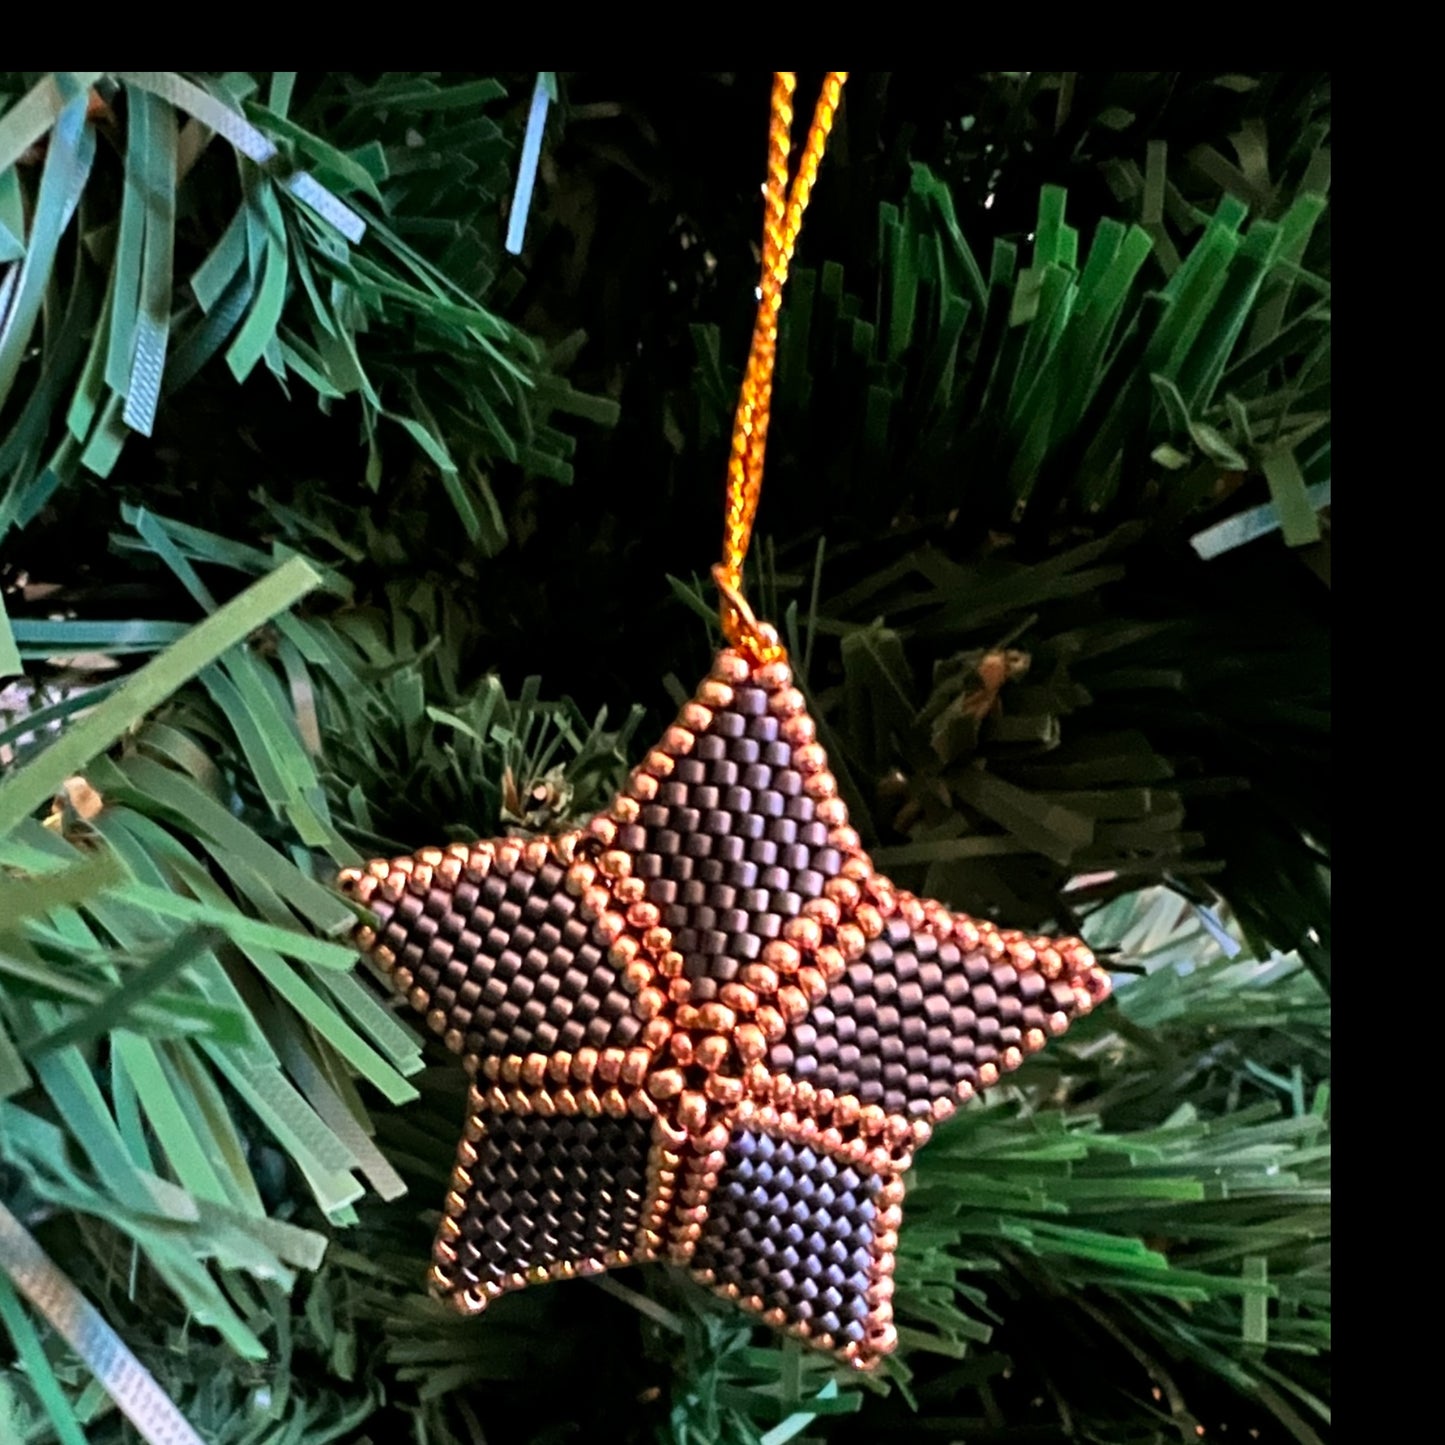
[(913, 1019), (794, 1227), (510, 961), (551, 1191), (731, 847)]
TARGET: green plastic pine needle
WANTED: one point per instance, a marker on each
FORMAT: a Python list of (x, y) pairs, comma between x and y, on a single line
[(40, 780)]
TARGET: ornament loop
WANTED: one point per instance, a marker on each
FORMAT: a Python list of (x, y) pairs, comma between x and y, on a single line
[(783, 208), (757, 640)]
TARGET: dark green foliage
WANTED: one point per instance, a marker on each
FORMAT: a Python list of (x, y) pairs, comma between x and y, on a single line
[(1056, 348)]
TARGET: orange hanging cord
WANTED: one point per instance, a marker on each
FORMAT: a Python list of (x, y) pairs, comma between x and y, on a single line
[(782, 220)]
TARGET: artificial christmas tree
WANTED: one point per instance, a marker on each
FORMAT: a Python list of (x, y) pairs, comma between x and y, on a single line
[(302, 478)]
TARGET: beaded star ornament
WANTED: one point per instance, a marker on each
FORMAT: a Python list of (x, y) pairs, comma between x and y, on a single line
[(702, 1029)]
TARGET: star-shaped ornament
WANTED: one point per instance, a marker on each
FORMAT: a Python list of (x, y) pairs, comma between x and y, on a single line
[(703, 1030)]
